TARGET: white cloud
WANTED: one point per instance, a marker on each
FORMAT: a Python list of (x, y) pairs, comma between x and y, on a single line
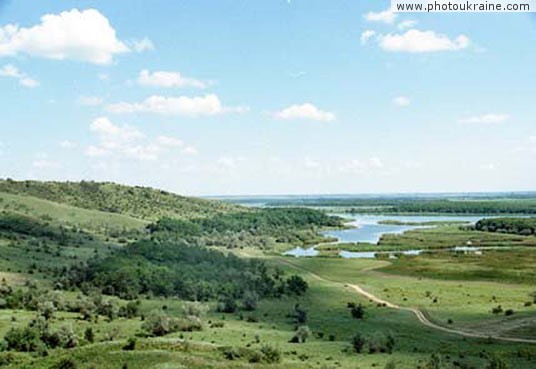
[(189, 150), (11, 71), (75, 35), (486, 119), (367, 35), (142, 45), (168, 79), (183, 105), (127, 142), (407, 24), (489, 166), (415, 41), (386, 16), (90, 100), (401, 101), (305, 111)]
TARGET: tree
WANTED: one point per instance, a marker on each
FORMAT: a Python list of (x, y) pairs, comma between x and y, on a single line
[(297, 285), (358, 342), (250, 301), (89, 335), (357, 311), (46, 309), (25, 339)]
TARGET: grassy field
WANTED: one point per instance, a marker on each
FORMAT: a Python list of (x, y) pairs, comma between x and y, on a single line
[(453, 290)]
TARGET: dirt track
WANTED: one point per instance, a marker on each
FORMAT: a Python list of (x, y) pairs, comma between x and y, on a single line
[(418, 313)]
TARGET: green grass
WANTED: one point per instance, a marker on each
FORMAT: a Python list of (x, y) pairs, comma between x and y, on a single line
[(66, 214)]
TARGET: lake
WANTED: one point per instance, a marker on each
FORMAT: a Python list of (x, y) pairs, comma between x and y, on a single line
[(367, 229)]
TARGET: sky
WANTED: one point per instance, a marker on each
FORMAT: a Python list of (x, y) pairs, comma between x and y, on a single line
[(267, 97)]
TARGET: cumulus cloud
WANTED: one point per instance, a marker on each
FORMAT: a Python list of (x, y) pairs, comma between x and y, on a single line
[(415, 41), (401, 101), (168, 80), (142, 45), (386, 16), (11, 71), (85, 35), (183, 105), (89, 101), (407, 24), (491, 118), (366, 36), (305, 111), (127, 142)]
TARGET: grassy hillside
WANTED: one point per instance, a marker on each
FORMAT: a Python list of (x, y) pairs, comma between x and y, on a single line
[(98, 275), (137, 202)]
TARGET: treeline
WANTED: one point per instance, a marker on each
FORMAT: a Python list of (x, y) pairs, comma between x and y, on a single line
[(520, 226), (13, 225), (281, 224), (516, 205), (167, 269), (135, 201)]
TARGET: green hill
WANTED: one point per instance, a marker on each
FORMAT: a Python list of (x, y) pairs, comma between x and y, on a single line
[(137, 202)]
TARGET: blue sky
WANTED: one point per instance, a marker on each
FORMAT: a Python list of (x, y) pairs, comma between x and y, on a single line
[(267, 97)]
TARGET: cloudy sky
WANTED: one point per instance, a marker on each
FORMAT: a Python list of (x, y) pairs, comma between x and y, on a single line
[(267, 97)]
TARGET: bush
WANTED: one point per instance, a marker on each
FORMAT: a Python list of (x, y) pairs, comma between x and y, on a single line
[(301, 335), (227, 304), (130, 345), (25, 339), (358, 343), (66, 364), (89, 335), (357, 311), (495, 362), (195, 309), (270, 354), (189, 324), (297, 285), (159, 324)]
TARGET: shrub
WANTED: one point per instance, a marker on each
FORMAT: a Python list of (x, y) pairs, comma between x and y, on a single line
[(497, 310), (495, 362), (25, 339), (296, 285), (66, 364), (189, 324), (89, 335), (509, 312), (130, 345), (358, 343), (227, 304), (158, 323), (301, 335), (357, 311), (270, 354), (195, 309)]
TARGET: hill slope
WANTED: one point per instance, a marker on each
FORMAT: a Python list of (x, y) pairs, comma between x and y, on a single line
[(137, 202)]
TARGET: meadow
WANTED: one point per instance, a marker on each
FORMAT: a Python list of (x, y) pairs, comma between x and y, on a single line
[(265, 310)]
